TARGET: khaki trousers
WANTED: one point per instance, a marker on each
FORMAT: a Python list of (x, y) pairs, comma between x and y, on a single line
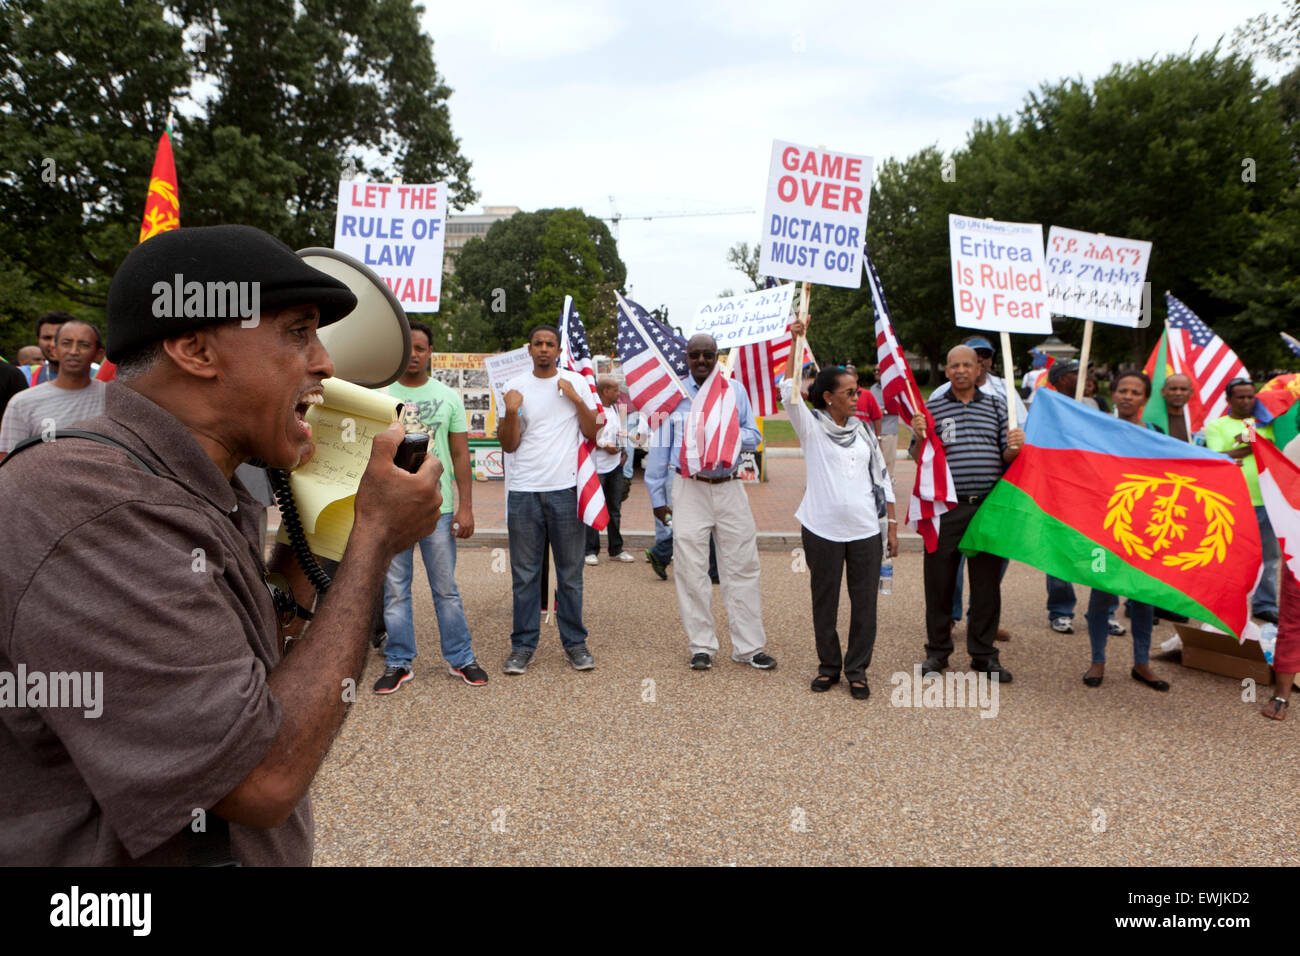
[(722, 509)]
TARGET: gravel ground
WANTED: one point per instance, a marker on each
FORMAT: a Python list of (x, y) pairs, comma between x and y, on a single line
[(643, 761)]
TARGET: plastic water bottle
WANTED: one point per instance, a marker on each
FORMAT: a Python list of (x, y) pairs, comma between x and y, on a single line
[(887, 576)]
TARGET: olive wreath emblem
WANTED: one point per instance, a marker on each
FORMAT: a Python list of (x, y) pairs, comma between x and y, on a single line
[(1164, 526)]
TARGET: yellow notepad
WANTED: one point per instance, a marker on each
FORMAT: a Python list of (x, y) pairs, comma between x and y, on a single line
[(325, 488)]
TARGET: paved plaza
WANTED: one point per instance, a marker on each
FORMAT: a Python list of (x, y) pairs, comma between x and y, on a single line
[(643, 761)]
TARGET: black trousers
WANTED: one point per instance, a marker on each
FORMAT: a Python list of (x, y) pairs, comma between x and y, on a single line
[(612, 484), (941, 570), (827, 563)]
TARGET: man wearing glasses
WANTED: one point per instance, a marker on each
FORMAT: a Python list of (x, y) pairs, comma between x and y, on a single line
[(714, 502)]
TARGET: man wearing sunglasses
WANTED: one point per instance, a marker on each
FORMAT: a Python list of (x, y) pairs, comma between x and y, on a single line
[(711, 501)]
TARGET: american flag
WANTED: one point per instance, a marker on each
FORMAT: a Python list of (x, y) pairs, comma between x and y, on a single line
[(758, 364), (654, 361), (711, 437), (1196, 351), (933, 492), (1291, 342), (575, 355)]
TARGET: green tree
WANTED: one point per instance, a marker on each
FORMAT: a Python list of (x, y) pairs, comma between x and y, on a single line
[(273, 98), (745, 259), (523, 267), (1185, 151)]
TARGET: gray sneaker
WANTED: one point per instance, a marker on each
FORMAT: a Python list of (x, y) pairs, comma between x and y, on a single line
[(517, 662), (581, 658)]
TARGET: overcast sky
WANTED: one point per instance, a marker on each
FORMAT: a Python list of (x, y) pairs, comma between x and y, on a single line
[(671, 107)]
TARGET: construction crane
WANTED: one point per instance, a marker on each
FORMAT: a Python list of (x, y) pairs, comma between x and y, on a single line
[(616, 217)]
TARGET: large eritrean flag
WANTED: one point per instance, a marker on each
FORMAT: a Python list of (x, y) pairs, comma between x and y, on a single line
[(1097, 501), (162, 211)]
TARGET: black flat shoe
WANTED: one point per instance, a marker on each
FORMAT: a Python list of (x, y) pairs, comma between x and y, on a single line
[(1092, 681), (1153, 684), (821, 683), (859, 693)]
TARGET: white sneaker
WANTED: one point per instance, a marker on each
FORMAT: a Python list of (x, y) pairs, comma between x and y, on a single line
[(625, 557), (591, 559), (1063, 625)]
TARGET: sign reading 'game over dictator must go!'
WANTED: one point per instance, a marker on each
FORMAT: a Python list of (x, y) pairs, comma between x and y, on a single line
[(815, 218), (997, 275)]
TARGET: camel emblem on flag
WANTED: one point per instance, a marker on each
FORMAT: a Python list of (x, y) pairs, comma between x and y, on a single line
[(1167, 519)]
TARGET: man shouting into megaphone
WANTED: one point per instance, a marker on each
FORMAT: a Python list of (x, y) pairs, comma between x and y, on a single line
[(134, 565)]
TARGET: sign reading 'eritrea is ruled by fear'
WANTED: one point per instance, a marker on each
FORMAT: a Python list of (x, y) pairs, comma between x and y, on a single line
[(398, 231), (997, 275), (815, 218)]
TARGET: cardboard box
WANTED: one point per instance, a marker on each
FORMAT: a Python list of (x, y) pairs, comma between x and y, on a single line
[(1209, 649)]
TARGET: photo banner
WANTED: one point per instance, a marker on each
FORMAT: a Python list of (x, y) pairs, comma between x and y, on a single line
[(398, 231), (815, 217), (997, 275), (1091, 276), (742, 319)]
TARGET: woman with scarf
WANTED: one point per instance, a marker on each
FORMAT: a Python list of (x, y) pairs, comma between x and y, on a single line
[(848, 498)]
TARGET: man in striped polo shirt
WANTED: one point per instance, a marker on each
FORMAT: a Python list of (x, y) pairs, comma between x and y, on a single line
[(978, 445)]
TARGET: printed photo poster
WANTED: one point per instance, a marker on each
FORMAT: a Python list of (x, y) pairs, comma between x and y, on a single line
[(461, 372), (997, 275), (1103, 278), (815, 217), (398, 231)]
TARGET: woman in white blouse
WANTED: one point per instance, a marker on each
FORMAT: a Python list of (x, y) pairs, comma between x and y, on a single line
[(848, 497)]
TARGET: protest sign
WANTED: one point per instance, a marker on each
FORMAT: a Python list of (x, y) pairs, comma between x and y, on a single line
[(997, 275), (815, 218), (1091, 276), (742, 319), (398, 231), (504, 366)]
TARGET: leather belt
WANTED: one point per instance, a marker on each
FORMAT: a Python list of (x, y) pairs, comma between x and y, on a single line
[(712, 481), (970, 499)]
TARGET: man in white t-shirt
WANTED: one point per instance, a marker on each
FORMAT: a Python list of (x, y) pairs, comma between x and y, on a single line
[(608, 459), (546, 411)]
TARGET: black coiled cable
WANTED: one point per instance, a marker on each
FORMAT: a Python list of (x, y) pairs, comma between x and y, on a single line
[(279, 479)]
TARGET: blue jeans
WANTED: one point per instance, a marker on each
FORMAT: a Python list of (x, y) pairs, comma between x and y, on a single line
[(1101, 606), (533, 517), (1060, 598), (438, 551), (956, 594), (1265, 597)]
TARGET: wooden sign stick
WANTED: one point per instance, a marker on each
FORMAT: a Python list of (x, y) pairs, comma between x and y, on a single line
[(1006, 364)]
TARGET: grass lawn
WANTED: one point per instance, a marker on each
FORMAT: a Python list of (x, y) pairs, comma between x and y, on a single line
[(779, 433)]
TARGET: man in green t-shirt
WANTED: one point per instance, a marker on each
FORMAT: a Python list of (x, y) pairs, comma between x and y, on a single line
[(1229, 435), (437, 411)]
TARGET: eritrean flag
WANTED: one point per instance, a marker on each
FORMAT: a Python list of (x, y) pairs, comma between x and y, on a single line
[(1097, 501), (162, 211)]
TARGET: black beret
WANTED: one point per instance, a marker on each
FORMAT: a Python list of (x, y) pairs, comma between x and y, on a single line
[(190, 278)]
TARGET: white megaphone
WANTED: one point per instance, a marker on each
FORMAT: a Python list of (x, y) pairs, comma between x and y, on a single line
[(370, 348), (371, 345)]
